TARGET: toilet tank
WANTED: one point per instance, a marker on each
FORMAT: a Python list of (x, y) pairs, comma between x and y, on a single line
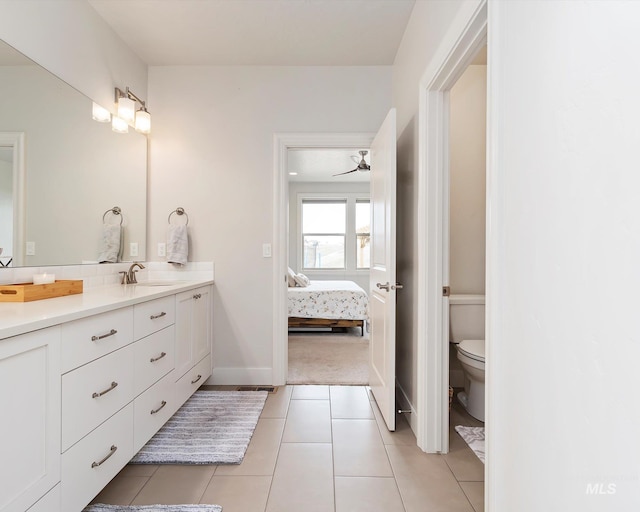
[(466, 317)]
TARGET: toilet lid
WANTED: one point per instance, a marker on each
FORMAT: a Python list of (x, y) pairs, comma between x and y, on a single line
[(472, 348)]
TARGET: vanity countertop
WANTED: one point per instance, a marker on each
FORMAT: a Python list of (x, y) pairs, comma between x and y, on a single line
[(21, 317)]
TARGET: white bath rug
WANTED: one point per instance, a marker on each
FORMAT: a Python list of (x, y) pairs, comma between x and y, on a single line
[(474, 437)]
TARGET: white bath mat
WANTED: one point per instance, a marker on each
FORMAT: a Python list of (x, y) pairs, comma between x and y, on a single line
[(474, 437)]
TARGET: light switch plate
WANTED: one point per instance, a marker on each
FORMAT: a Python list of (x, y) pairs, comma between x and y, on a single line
[(133, 249), (162, 249), (266, 250), (30, 248)]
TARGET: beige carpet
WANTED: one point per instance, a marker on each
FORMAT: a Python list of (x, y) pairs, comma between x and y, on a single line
[(328, 359)]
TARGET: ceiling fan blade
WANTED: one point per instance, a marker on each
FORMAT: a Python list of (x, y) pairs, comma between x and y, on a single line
[(347, 172)]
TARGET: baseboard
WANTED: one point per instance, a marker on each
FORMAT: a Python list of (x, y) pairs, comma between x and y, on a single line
[(242, 376), (403, 402)]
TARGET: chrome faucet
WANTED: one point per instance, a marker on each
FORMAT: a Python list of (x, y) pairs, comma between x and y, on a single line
[(129, 277)]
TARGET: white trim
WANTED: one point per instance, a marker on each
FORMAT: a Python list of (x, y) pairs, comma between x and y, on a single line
[(15, 140), (282, 142), (466, 36)]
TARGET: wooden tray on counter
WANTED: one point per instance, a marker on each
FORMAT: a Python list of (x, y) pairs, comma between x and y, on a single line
[(26, 292)]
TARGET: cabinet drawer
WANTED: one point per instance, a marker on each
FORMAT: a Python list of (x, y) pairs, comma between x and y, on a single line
[(152, 316), (152, 409), (153, 358), (50, 502), (93, 392), (89, 465), (90, 338), (192, 380)]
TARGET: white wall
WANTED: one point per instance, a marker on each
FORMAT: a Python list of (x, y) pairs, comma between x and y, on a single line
[(564, 253), (467, 146), (362, 188), (212, 153), (429, 23), (70, 39)]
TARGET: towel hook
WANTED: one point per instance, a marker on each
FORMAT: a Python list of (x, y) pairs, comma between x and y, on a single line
[(115, 211), (179, 211)]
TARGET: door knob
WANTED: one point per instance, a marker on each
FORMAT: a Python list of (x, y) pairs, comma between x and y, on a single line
[(385, 286)]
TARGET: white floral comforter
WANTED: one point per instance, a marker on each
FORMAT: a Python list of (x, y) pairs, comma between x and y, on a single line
[(343, 300)]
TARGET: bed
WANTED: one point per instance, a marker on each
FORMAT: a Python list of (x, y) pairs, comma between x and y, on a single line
[(328, 304)]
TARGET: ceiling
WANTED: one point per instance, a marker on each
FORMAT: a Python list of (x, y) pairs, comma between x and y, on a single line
[(319, 165), (260, 32)]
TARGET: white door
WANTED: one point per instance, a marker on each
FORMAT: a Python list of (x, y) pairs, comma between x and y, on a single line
[(382, 280)]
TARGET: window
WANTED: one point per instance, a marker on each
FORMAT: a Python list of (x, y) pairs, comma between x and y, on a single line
[(334, 232), (363, 233), (324, 233)]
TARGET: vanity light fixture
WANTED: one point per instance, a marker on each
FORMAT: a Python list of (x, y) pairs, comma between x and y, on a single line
[(126, 104), (100, 114), (119, 125)]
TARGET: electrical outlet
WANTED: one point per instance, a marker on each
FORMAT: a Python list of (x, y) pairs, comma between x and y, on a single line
[(30, 248), (162, 249), (133, 249), (266, 250)]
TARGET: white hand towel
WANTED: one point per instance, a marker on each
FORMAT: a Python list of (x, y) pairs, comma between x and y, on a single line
[(177, 244), (111, 243)]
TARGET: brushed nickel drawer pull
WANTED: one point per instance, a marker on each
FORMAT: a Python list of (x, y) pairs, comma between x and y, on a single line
[(112, 450), (160, 315), (154, 359), (113, 386), (103, 336), (197, 379), (162, 404)]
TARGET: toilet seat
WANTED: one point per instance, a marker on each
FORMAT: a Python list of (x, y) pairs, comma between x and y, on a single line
[(473, 349)]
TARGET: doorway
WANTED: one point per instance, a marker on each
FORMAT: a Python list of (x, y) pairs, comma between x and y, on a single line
[(433, 218), (283, 143), (328, 238), (12, 214)]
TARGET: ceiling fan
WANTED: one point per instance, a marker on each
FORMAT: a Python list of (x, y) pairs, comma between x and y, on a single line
[(362, 165)]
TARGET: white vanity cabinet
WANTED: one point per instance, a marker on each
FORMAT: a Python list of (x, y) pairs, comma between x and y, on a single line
[(193, 329), (30, 424), (79, 399)]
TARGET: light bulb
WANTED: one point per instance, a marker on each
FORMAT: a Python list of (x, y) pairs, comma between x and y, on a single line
[(100, 114), (126, 109), (119, 125), (143, 121)]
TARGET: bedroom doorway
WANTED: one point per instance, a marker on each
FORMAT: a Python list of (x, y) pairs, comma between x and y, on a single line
[(328, 265), (284, 232)]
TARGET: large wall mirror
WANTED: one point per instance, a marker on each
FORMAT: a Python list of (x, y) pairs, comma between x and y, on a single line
[(61, 173)]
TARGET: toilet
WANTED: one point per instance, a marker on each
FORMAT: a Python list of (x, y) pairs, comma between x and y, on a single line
[(466, 332)]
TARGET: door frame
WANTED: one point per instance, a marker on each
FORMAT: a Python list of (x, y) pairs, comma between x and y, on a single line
[(15, 140), (282, 142), (467, 35)]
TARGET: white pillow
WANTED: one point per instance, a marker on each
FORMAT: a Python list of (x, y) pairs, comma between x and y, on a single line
[(301, 280), (291, 278)]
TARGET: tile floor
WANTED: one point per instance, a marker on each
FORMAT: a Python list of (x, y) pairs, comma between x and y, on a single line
[(324, 449)]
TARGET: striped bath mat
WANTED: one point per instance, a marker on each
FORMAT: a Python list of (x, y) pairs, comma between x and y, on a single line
[(99, 507), (212, 427)]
